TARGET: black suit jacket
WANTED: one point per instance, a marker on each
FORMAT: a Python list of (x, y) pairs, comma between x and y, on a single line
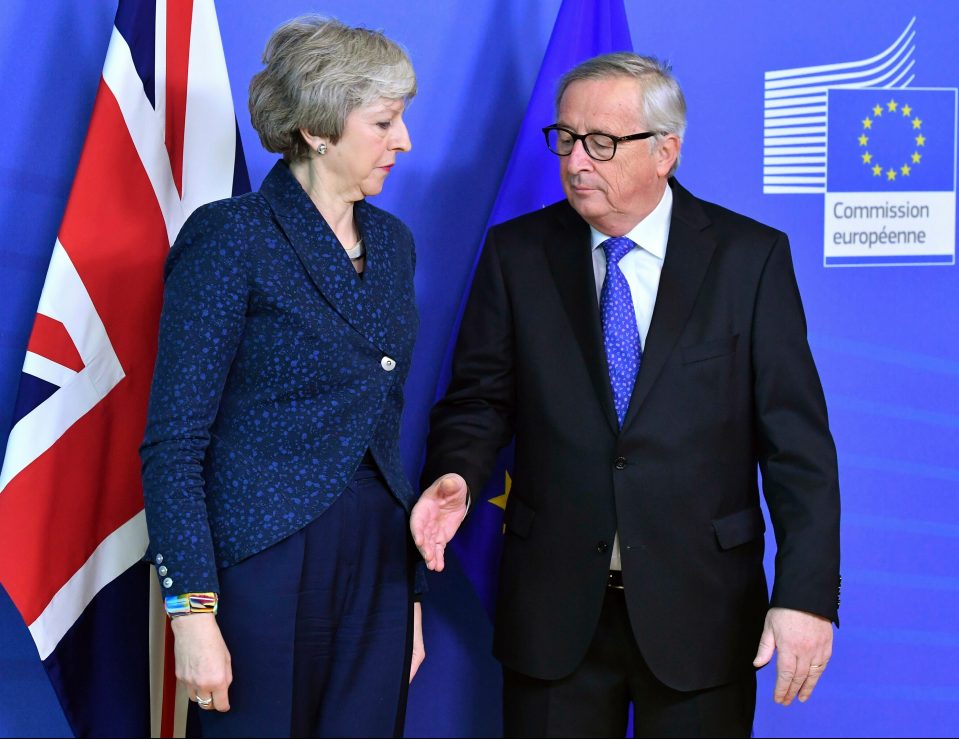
[(727, 384)]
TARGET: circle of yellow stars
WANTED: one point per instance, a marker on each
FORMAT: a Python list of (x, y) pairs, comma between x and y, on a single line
[(892, 107)]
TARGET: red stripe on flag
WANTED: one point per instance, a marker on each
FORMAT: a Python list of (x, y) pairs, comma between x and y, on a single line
[(168, 706), (179, 22), (51, 340), (56, 512)]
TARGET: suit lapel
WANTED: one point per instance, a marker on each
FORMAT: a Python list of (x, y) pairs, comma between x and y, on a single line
[(567, 247), (358, 301), (689, 250)]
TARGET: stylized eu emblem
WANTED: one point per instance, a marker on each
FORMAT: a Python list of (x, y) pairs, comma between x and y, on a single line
[(890, 176), (891, 132)]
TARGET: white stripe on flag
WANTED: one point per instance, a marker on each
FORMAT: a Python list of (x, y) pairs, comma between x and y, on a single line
[(47, 370), (115, 555), (209, 141), (145, 127), (65, 299), (159, 64)]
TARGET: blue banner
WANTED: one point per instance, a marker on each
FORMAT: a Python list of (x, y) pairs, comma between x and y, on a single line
[(583, 29)]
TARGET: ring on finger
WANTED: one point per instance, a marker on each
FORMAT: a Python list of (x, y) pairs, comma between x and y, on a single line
[(204, 702)]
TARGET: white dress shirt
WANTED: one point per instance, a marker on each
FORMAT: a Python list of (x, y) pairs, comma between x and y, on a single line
[(642, 268)]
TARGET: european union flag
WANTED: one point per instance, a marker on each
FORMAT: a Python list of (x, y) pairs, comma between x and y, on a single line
[(583, 29), (883, 140)]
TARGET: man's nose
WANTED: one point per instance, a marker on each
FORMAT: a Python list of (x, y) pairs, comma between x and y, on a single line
[(578, 160)]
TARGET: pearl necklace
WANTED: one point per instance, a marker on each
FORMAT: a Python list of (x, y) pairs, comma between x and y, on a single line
[(357, 252)]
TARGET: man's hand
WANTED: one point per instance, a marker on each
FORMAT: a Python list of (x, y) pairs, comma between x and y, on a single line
[(419, 650), (436, 517), (804, 641), (202, 660)]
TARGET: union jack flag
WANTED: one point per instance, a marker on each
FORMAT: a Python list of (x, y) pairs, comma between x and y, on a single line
[(162, 140)]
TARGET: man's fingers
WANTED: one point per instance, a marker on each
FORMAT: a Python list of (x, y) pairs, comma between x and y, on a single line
[(767, 644), (783, 681), (807, 687), (786, 669), (815, 672), (799, 677), (447, 486)]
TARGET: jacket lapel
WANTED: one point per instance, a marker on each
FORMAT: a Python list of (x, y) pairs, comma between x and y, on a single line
[(567, 250), (689, 250), (358, 301)]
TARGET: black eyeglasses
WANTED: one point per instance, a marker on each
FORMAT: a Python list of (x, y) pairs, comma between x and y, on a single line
[(599, 146)]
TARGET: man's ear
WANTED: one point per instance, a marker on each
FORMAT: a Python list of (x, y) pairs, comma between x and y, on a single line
[(667, 153)]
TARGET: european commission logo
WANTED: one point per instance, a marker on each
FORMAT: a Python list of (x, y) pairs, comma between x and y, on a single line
[(882, 152)]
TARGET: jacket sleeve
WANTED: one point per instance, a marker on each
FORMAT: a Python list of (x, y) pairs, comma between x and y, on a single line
[(797, 455), (204, 309), (475, 418)]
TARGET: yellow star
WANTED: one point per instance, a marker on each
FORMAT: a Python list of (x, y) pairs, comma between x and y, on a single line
[(906, 110), (876, 171), (892, 105), (916, 157), (863, 139), (501, 500), (867, 158), (877, 111), (890, 174), (867, 122), (916, 123), (905, 169), (920, 140)]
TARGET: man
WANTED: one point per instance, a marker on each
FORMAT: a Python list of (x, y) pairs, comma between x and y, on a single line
[(644, 379)]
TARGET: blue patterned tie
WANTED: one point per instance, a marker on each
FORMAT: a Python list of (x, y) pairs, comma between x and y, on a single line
[(620, 333)]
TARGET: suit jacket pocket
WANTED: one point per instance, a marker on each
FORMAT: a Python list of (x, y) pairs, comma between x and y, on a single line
[(739, 528), (710, 349), (519, 517)]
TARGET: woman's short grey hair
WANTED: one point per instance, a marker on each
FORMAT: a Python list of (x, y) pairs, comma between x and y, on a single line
[(318, 71), (662, 100)]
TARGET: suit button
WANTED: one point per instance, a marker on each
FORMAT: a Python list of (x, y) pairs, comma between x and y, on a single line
[(388, 364), (620, 463), (159, 559), (167, 582), (162, 570), (602, 547)]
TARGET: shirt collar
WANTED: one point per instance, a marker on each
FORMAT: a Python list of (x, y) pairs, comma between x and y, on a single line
[(652, 232)]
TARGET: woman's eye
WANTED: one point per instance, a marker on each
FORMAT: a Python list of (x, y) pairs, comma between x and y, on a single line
[(384, 125)]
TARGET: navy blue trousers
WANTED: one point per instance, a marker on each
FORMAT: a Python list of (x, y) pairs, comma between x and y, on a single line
[(319, 626)]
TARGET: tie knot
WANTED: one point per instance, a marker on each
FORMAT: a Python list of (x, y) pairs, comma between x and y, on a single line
[(616, 248)]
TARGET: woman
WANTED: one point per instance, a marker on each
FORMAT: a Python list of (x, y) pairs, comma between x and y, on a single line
[(276, 501)]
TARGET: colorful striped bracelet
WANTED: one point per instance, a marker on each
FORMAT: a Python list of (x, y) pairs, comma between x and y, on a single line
[(182, 605)]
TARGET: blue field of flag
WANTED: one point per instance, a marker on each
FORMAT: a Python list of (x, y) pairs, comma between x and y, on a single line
[(882, 140)]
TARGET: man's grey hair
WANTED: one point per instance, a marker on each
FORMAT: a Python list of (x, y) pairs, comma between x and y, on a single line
[(662, 102), (318, 70)]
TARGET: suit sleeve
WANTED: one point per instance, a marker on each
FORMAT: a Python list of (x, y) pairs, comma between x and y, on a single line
[(475, 418), (204, 309), (796, 450)]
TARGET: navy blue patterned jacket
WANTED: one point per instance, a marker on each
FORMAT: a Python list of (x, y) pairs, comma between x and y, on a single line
[(278, 367)]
